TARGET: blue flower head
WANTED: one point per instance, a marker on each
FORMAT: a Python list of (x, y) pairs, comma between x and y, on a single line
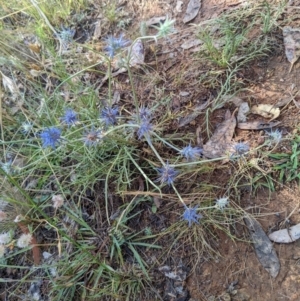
[(7, 167), (92, 137), (275, 136), (145, 113), (167, 174), (190, 215), (50, 137), (66, 36), (114, 44), (241, 148), (70, 117), (191, 153), (145, 128), (109, 115)]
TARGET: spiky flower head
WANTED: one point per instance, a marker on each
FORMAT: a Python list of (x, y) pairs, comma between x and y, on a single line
[(275, 136), (114, 44), (66, 34), (167, 174), (191, 153), (24, 240), (5, 238), (145, 128), (241, 148), (222, 203), (27, 127), (190, 215), (70, 117), (109, 115), (144, 113), (92, 137), (51, 137), (58, 201), (165, 28), (7, 167)]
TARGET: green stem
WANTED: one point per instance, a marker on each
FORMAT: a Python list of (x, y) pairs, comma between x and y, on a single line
[(154, 150), (109, 83), (165, 142)]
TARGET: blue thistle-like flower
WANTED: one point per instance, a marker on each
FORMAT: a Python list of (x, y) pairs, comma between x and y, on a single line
[(167, 174), (222, 203), (241, 148), (51, 137), (27, 127), (165, 28), (145, 113), (70, 117), (66, 36), (109, 115), (145, 128), (114, 44), (7, 167), (191, 153), (190, 215), (275, 136), (92, 137)]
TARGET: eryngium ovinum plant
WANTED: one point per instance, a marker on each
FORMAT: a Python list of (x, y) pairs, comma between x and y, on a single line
[(66, 149)]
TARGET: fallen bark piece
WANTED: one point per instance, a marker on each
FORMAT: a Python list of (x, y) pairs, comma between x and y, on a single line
[(242, 112), (257, 125), (263, 247), (291, 40), (192, 10), (221, 144), (286, 236)]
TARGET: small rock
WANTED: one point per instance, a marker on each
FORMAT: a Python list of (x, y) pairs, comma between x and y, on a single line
[(184, 93), (242, 295), (225, 297)]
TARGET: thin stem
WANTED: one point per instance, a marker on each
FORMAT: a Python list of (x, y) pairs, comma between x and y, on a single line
[(109, 83), (179, 196), (154, 150), (165, 142)]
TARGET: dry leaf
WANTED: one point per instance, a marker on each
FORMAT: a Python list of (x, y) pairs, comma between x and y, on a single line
[(98, 29), (243, 110), (220, 144), (191, 43), (192, 10), (35, 47), (137, 55), (231, 98), (196, 111), (286, 236), (291, 40), (35, 73), (257, 125), (263, 247), (178, 7), (265, 110), (155, 20), (9, 85)]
